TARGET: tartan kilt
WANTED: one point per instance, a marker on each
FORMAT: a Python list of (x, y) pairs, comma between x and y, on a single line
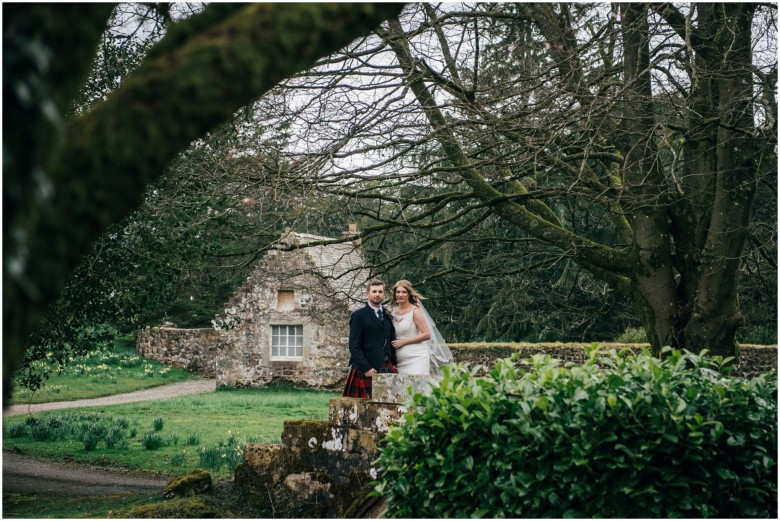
[(359, 385)]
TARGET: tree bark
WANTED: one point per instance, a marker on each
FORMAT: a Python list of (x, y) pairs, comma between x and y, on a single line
[(715, 313), (653, 279)]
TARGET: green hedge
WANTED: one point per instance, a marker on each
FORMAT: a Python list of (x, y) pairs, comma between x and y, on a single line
[(622, 435)]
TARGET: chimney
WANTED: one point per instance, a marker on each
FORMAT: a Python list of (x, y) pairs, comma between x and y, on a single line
[(352, 232)]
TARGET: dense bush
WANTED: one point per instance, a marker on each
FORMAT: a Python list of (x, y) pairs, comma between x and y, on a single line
[(619, 436)]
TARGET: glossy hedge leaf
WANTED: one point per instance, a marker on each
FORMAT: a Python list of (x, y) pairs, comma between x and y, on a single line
[(638, 437)]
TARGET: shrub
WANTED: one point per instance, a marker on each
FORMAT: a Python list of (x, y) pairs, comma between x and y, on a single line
[(229, 453), (632, 335), (54, 421), (93, 434), (17, 430), (158, 424), (758, 334), (79, 428), (58, 427), (131, 361), (193, 439), (178, 460), (41, 432), (114, 437), (211, 458), (152, 441), (620, 436), (90, 440)]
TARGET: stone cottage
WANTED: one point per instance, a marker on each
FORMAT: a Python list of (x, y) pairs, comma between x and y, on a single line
[(290, 320)]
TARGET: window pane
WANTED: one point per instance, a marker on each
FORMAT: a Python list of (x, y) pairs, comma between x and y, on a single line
[(287, 341)]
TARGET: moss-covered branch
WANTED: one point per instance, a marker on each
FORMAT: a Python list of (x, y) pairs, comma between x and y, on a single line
[(207, 68)]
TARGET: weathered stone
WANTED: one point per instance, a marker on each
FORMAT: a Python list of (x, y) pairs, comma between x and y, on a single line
[(191, 349), (399, 388), (360, 413), (321, 469), (196, 482), (361, 441), (261, 454), (309, 489), (305, 434)]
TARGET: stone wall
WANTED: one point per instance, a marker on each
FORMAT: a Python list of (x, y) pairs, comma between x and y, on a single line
[(754, 360), (323, 469), (192, 349), (236, 359)]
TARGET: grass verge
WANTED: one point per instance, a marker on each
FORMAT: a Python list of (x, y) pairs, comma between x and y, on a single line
[(103, 373), (34, 506), (224, 501)]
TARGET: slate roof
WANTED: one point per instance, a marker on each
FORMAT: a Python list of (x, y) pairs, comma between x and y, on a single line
[(341, 264)]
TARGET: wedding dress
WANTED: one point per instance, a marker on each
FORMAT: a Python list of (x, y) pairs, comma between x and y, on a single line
[(412, 358)]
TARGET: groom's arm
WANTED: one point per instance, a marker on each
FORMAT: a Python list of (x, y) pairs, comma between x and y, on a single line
[(356, 342)]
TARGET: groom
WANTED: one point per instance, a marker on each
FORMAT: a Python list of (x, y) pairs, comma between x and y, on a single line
[(370, 333)]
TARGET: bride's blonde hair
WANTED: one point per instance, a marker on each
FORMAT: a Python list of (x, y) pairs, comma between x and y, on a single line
[(414, 297)]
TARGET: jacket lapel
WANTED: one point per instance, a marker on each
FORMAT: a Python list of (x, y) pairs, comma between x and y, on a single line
[(388, 317), (371, 313)]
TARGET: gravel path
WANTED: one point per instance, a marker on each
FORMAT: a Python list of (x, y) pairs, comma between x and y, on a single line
[(25, 475), (154, 393)]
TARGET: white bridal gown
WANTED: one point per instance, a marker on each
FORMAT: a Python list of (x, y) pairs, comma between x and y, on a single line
[(412, 358)]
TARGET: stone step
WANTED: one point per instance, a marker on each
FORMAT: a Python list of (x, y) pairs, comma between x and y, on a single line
[(265, 457), (298, 434), (306, 436), (359, 413), (313, 447), (399, 388)]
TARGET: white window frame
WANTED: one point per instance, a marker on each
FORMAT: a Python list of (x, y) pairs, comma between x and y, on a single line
[(284, 339)]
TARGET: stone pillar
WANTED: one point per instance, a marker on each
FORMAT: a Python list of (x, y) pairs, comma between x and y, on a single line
[(323, 468)]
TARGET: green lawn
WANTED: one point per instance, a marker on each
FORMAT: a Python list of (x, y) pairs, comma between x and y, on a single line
[(205, 430), (120, 370)]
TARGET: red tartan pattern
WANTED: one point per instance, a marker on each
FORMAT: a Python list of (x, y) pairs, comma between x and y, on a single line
[(359, 385)]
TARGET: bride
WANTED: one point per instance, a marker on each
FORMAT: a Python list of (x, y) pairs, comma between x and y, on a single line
[(418, 343)]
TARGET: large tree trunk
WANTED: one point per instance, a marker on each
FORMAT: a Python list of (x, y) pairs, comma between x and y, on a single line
[(711, 214), (653, 285), (715, 312)]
